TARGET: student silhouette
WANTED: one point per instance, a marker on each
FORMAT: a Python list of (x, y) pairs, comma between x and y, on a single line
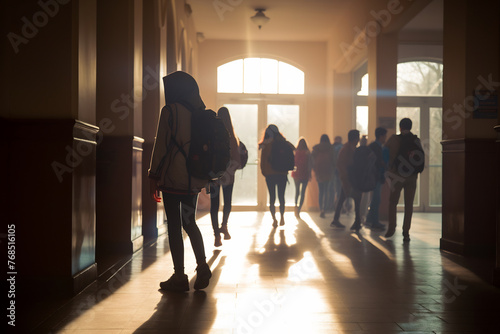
[(168, 174)]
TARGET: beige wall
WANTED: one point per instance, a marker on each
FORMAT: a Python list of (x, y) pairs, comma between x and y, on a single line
[(310, 57)]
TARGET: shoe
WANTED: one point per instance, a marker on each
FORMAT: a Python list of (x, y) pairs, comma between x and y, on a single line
[(203, 275), (275, 222), (406, 237), (368, 224), (356, 226), (282, 221), (378, 227), (218, 241), (223, 230), (389, 233), (337, 224), (297, 212), (322, 215), (177, 282)]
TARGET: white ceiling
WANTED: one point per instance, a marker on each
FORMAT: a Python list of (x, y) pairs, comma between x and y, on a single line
[(290, 20), (298, 20)]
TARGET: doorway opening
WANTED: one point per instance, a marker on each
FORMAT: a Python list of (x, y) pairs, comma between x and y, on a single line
[(258, 92)]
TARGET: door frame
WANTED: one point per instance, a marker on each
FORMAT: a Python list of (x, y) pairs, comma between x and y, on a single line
[(262, 100)]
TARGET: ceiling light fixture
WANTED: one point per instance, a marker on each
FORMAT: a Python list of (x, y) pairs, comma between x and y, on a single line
[(259, 18)]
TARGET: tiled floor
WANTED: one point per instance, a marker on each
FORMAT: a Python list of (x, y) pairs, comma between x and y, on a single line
[(301, 278)]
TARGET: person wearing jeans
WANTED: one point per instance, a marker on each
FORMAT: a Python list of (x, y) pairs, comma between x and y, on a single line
[(168, 174), (403, 174), (274, 179)]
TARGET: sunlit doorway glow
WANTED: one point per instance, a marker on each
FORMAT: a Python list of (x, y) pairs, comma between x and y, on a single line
[(258, 92), (259, 76)]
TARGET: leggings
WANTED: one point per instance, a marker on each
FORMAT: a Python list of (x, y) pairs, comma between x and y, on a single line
[(227, 192), (181, 212), (279, 181)]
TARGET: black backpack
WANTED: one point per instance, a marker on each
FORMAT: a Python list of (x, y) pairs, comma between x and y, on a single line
[(363, 173), (209, 149), (410, 159), (242, 149), (282, 157)]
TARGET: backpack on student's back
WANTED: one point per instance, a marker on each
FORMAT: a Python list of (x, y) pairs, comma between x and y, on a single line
[(363, 173), (209, 149), (410, 159), (282, 157), (242, 149)]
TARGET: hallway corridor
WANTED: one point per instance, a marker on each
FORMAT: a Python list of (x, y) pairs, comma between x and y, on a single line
[(304, 277)]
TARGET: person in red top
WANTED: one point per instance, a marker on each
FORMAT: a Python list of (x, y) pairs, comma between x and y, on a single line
[(344, 161), (302, 173)]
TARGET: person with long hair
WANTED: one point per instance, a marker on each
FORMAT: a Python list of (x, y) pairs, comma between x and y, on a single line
[(274, 179), (226, 182), (168, 174), (302, 173)]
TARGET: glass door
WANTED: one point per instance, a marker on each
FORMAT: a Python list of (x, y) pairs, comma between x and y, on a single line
[(244, 118), (250, 121)]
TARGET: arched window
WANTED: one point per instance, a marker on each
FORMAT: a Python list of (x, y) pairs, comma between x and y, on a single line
[(420, 78), (259, 76)]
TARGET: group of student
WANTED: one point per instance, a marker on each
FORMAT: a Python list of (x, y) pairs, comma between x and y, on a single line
[(359, 172), (333, 166)]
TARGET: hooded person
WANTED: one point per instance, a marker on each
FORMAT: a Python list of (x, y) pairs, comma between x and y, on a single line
[(169, 175)]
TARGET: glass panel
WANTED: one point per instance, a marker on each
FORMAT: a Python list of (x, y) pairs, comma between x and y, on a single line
[(420, 78), (230, 77), (251, 76), (364, 86), (291, 79), (259, 76), (362, 119), (435, 157), (286, 118), (412, 113), (269, 76), (244, 118)]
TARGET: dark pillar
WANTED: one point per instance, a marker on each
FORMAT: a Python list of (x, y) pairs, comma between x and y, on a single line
[(469, 176), (120, 94)]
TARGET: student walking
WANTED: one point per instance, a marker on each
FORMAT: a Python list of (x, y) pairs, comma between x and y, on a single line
[(301, 174), (372, 219), (276, 160), (322, 156), (336, 186), (226, 182), (406, 161), (168, 174), (344, 161)]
